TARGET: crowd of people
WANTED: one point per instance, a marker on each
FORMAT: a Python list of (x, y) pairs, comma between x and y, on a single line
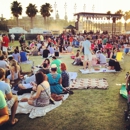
[(52, 77)]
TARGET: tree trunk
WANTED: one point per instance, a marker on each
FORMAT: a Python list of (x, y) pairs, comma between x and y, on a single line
[(125, 25), (31, 22), (17, 21), (45, 22)]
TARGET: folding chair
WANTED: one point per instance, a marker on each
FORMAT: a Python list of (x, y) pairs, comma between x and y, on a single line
[(119, 56), (26, 66)]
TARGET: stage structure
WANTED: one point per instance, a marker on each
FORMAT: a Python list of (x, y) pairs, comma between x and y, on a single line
[(95, 21)]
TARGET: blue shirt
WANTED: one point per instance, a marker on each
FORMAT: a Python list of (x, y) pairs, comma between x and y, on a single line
[(23, 56), (86, 45), (5, 88)]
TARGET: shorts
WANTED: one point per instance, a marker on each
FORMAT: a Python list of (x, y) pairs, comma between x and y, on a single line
[(88, 57), (4, 48), (10, 103)]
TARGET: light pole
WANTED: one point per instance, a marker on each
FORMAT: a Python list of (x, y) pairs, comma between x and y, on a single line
[(93, 7), (75, 7), (65, 6), (84, 7), (55, 6)]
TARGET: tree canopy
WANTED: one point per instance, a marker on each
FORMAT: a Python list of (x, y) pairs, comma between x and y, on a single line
[(16, 8), (46, 10), (31, 10)]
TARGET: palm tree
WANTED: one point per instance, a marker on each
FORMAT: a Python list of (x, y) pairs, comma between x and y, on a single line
[(46, 10), (114, 19), (108, 17), (126, 17), (119, 12), (16, 9), (108, 12), (31, 11)]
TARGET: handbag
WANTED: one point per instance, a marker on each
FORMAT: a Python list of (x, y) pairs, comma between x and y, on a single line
[(57, 97), (51, 99)]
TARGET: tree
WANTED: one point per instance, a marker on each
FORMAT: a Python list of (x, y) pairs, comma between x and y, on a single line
[(119, 12), (16, 10), (31, 11), (108, 12), (46, 10), (108, 18), (126, 17)]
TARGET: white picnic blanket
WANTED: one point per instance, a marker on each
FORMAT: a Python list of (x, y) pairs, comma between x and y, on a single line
[(24, 107), (94, 71)]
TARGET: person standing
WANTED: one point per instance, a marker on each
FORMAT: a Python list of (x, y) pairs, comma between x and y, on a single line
[(5, 42), (1, 41), (86, 47), (12, 37), (41, 38)]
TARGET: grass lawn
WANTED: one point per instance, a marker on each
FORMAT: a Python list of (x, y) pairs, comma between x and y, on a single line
[(90, 109)]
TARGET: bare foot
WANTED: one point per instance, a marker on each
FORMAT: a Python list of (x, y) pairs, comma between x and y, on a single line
[(14, 121)]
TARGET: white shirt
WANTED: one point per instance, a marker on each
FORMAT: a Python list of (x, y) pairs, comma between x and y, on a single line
[(3, 64), (12, 36)]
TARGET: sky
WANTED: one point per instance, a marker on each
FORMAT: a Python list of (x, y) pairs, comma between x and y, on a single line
[(100, 6)]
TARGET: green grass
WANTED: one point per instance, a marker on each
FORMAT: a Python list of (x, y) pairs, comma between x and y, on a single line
[(90, 109)]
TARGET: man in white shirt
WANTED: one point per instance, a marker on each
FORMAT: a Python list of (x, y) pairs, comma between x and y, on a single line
[(12, 37), (86, 45)]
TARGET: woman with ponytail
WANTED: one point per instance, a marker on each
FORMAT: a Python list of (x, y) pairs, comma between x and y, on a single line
[(14, 71)]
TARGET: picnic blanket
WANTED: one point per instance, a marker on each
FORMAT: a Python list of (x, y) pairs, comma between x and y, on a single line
[(24, 107), (123, 91), (89, 83), (96, 71)]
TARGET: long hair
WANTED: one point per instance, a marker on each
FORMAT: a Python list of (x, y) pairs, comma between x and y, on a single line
[(47, 60), (40, 77), (14, 63), (63, 66), (1, 53)]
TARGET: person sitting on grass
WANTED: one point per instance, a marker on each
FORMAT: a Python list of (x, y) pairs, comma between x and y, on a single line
[(77, 59), (55, 80), (11, 100), (101, 57), (14, 71), (23, 55), (47, 61), (42, 96), (45, 69), (65, 76), (4, 114), (57, 62), (16, 55), (113, 63)]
